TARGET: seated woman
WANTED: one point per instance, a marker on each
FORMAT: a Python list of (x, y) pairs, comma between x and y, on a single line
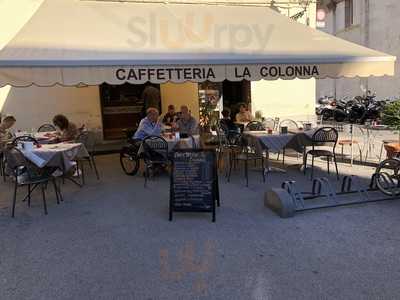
[(67, 130), (6, 124), (243, 116)]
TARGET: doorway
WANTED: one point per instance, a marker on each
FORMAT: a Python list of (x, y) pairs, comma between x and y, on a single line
[(236, 93), (122, 107)]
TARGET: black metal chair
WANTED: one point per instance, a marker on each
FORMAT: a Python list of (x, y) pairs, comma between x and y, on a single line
[(47, 128), (323, 137), (88, 139), (269, 123), (292, 126), (155, 153), (255, 126), (27, 174), (244, 153), (24, 138)]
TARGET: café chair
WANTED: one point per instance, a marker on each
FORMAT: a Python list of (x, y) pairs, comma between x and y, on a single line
[(27, 174), (47, 128), (255, 126), (88, 139), (291, 126), (245, 154), (269, 123), (384, 143), (155, 154), (24, 138), (323, 137)]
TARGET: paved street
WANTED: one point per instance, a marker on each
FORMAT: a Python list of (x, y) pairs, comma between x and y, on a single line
[(112, 240)]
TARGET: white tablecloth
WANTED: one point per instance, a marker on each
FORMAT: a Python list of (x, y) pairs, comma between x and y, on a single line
[(56, 155)]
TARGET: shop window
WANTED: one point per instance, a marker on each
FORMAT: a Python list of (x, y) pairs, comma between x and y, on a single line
[(349, 13)]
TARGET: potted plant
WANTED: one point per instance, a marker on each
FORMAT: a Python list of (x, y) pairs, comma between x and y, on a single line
[(391, 118)]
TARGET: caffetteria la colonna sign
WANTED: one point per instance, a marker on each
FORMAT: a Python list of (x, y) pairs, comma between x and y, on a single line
[(214, 73)]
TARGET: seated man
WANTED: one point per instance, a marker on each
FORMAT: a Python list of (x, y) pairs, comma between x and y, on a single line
[(149, 125), (186, 123), (226, 123), (170, 116), (5, 134)]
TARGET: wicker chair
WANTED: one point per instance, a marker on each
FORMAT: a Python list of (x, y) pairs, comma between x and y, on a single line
[(325, 136), (27, 174)]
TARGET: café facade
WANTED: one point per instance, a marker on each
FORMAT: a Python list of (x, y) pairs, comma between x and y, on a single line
[(91, 60)]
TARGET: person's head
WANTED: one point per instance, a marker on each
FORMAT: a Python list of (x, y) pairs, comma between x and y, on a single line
[(185, 112), (152, 114), (226, 113), (8, 122), (171, 109), (61, 122), (243, 108)]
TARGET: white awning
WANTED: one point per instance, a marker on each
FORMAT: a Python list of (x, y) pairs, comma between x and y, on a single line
[(71, 42)]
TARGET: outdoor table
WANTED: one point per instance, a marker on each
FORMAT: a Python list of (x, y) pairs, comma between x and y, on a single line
[(45, 137), (276, 142), (59, 155)]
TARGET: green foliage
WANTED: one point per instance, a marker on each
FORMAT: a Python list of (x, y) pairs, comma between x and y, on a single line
[(391, 115)]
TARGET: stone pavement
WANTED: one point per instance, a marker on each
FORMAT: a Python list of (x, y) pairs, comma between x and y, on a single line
[(112, 240)]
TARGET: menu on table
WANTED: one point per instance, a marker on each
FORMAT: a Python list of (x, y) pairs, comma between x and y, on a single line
[(194, 182)]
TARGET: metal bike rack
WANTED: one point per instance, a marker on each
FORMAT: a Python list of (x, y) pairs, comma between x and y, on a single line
[(287, 200)]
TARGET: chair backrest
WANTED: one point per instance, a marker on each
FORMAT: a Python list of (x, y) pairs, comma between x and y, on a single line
[(24, 138), (88, 139), (276, 123), (47, 128), (157, 144), (18, 164), (269, 123), (290, 124), (325, 135), (255, 126)]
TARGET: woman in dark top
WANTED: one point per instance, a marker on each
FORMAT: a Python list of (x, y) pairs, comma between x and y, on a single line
[(67, 130)]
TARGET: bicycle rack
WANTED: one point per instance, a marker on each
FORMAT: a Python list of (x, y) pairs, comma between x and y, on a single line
[(288, 200)]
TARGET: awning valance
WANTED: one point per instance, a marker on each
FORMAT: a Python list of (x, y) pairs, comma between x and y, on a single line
[(71, 42)]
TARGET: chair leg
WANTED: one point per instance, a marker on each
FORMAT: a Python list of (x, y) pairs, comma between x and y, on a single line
[(263, 168), (305, 163), (29, 195), (44, 199), (14, 199), (93, 162), (230, 168), (82, 166), (328, 162), (283, 156), (146, 174), (336, 167), (312, 166), (56, 190), (246, 172)]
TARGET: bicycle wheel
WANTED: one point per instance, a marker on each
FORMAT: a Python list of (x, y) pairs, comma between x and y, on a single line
[(130, 163), (387, 177)]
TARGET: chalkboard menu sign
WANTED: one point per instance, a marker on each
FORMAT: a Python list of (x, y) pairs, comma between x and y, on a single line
[(194, 182)]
